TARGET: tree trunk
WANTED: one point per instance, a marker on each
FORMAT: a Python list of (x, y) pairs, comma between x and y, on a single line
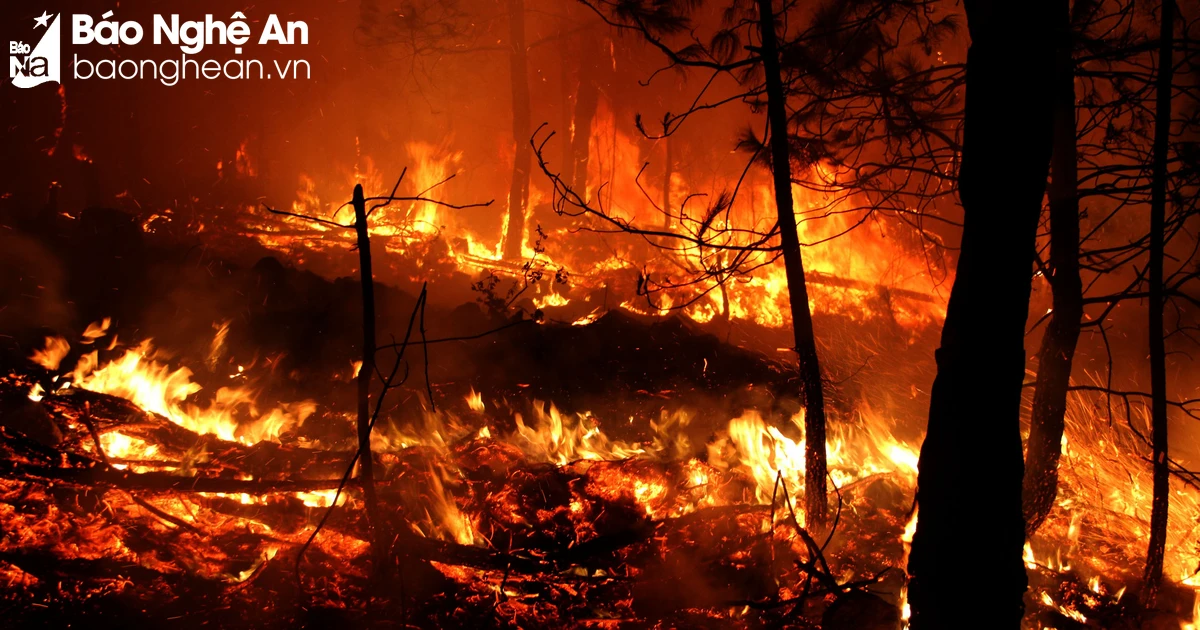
[(1062, 333), (668, 167), (969, 485), (567, 102), (518, 191), (587, 100), (366, 472), (815, 504), (1158, 352)]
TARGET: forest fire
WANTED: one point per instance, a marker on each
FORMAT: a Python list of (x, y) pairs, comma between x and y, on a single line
[(135, 414), (606, 314), (846, 280)]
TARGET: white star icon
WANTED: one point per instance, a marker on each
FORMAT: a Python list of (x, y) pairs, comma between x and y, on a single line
[(42, 21)]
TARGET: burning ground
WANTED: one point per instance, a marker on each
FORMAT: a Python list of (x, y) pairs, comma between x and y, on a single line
[(622, 472)]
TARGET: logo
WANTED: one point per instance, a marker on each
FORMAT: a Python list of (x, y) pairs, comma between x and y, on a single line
[(27, 66), (35, 63)]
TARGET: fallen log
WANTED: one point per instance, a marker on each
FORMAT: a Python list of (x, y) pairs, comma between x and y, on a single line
[(174, 442), (50, 568), (156, 481), (517, 270)]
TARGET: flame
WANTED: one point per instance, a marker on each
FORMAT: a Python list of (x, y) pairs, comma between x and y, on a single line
[(1027, 556), (154, 387), (550, 299), (589, 318), (475, 401), (321, 498), (244, 164), (749, 446), (906, 538), (1103, 474), (217, 348), (560, 440), (444, 514), (880, 270), (96, 330), (766, 454), (431, 165), (55, 351)]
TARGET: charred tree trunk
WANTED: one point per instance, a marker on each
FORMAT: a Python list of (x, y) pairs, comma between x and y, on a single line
[(1158, 351), (970, 480), (518, 191), (1062, 333), (802, 326), (567, 104), (725, 310), (666, 187), (587, 100), (366, 473)]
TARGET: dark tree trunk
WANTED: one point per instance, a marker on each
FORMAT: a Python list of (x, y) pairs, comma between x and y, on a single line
[(518, 191), (668, 169), (587, 99), (815, 504), (1062, 333), (366, 472), (969, 486), (1158, 351), (567, 102)]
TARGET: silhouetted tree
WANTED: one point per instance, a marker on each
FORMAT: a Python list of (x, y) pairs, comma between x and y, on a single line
[(1158, 353), (969, 485), (802, 324), (1057, 352), (518, 191), (1115, 69)]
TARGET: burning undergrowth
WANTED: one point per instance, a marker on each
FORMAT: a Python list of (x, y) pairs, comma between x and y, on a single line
[(602, 467), (551, 522), (130, 488)]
